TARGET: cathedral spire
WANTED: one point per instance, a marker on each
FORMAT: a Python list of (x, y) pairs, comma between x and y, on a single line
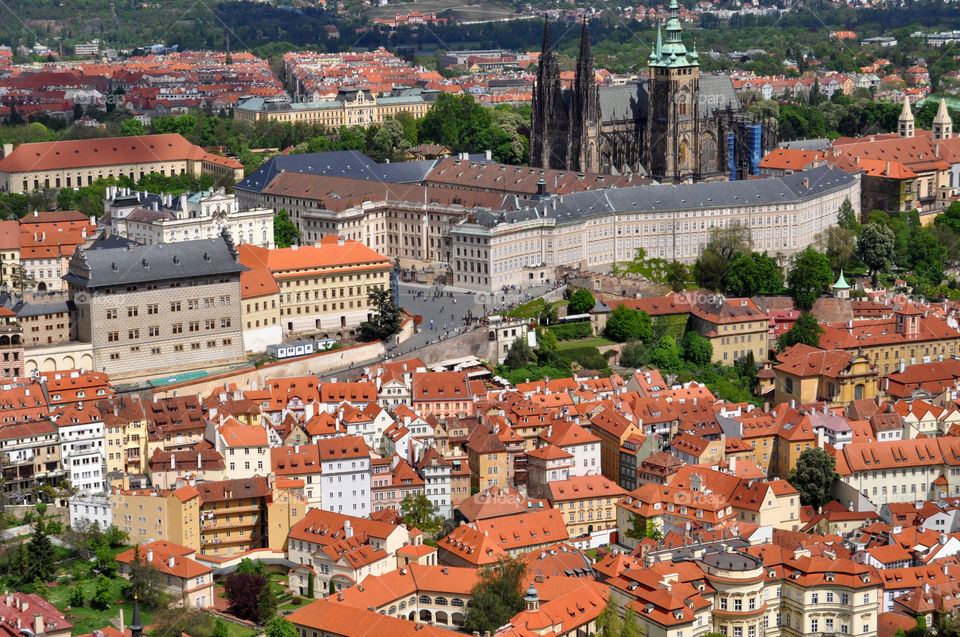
[(546, 38), (942, 124), (584, 44)]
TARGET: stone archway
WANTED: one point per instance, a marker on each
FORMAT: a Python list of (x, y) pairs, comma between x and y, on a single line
[(426, 616)]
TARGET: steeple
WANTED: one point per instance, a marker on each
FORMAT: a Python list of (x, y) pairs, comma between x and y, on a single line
[(672, 53), (905, 123), (546, 39), (136, 627), (942, 124)]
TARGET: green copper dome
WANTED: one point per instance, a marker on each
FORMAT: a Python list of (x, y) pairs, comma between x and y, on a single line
[(672, 53)]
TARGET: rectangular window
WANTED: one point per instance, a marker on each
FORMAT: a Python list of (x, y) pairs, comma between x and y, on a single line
[(153, 308), (112, 313), (132, 311), (154, 330), (175, 306), (177, 328)]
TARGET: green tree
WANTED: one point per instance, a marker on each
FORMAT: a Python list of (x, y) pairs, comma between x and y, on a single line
[(751, 274), (950, 217), (847, 217), (548, 314), (813, 477), (285, 232), (745, 368), (519, 354), (311, 582), (810, 276), (280, 627), (77, 600), (387, 318), (581, 302), (332, 588), (633, 354), (676, 274), (626, 324), (459, 123), (876, 249), (546, 342), (417, 510), (608, 622), (101, 596), (666, 355), (711, 269), (838, 245), (41, 559), (925, 255), (251, 567), (805, 330), (696, 349), (641, 527), (130, 127), (266, 604), (496, 597)]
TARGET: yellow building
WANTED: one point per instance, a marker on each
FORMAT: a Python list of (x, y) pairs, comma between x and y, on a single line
[(125, 431), (323, 287), (9, 250), (487, 457), (588, 503), (235, 516), (285, 508), (164, 515), (351, 107), (808, 374), (260, 311), (733, 326), (775, 503), (910, 335), (613, 429)]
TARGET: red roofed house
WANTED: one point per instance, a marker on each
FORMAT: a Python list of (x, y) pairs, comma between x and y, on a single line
[(190, 582), (30, 614), (79, 162), (245, 448)]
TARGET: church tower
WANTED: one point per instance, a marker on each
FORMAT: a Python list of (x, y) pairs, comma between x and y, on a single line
[(672, 151), (549, 135), (942, 124), (583, 155), (905, 124)]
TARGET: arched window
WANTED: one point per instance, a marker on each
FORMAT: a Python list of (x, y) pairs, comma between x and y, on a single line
[(440, 601), (403, 605), (393, 610), (424, 599), (456, 602)]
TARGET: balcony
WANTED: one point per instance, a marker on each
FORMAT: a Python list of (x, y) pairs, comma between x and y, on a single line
[(218, 524)]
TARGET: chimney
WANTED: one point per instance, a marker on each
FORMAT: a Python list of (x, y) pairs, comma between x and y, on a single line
[(122, 626), (173, 461), (170, 562), (347, 528), (38, 627), (149, 556)]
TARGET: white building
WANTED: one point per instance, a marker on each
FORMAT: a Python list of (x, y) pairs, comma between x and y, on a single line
[(82, 445), (90, 509), (580, 443), (149, 218), (436, 471), (599, 227), (345, 475), (245, 448)]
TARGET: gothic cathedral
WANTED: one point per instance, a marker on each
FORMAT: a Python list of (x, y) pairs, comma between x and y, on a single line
[(677, 126)]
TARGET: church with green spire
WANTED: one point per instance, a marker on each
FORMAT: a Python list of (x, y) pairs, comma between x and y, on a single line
[(675, 126)]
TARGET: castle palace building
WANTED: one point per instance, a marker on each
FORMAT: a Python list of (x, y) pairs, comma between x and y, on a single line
[(677, 126)]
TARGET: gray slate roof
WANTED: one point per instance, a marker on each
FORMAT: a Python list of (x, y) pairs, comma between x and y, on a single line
[(629, 101), (145, 263), (337, 163), (574, 207)]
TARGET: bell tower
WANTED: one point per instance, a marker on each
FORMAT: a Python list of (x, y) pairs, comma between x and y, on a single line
[(672, 152)]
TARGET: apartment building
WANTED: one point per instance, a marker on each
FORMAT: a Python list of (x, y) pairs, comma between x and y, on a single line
[(483, 542), (734, 327), (145, 309), (300, 462), (240, 515), (324, 287), (613, 429), (487, 459), (31, 455), (125, 430), (588, 504), (154, 514), (245, 448), (345, 470), (809, 374), (82, 446), (80, 162), (436, 472)]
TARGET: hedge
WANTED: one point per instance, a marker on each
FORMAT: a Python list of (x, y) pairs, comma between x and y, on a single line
[(572, 331)]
